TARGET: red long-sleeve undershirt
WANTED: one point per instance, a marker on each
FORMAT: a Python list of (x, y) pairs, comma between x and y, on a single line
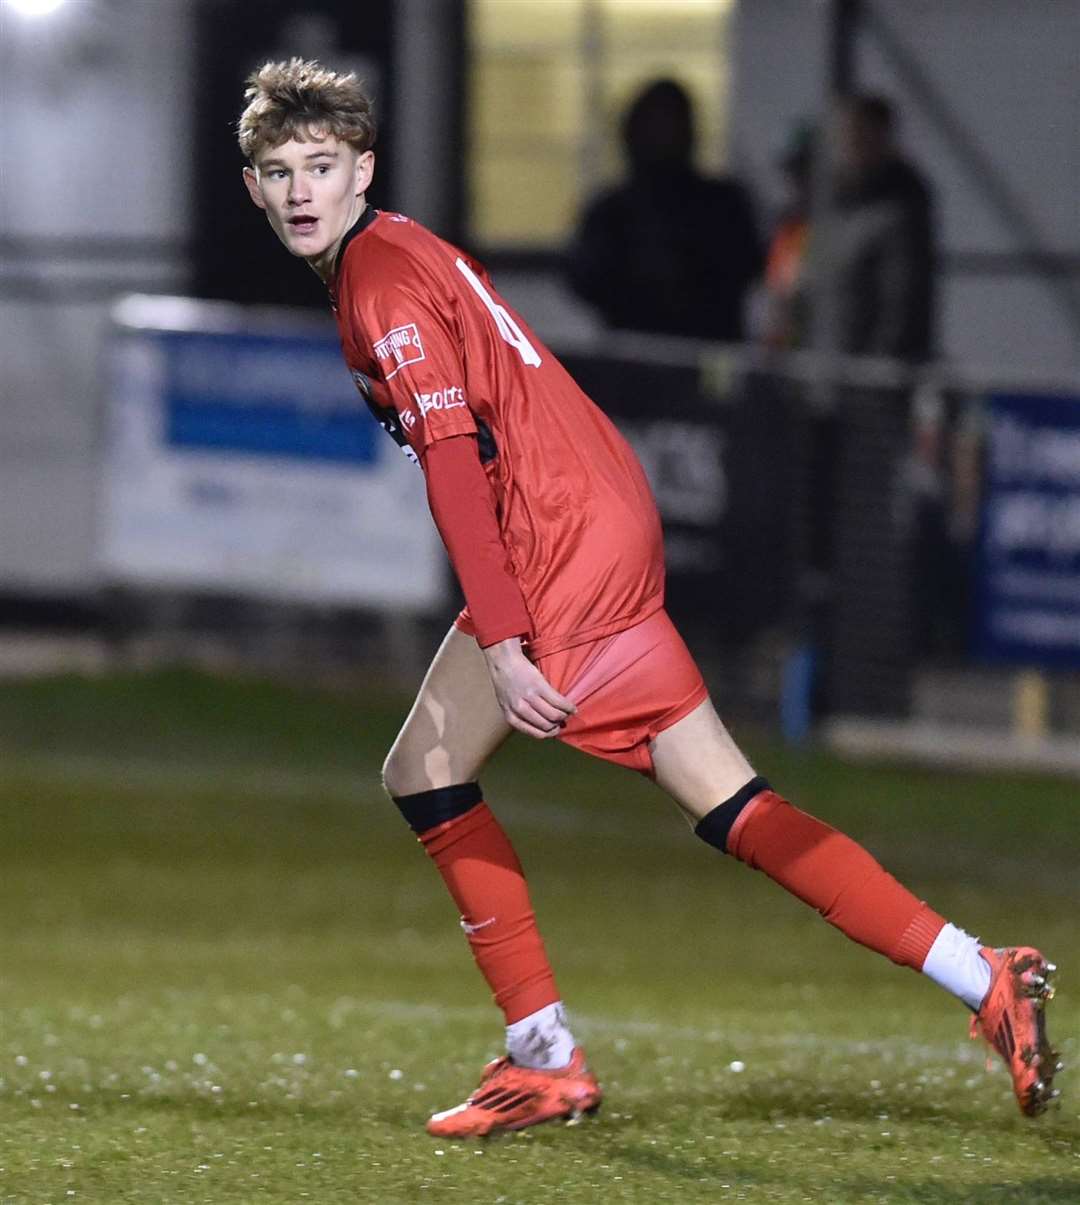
[(463, 508)]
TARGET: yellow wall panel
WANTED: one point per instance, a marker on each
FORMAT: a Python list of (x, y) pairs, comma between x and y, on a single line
[(537, 146)]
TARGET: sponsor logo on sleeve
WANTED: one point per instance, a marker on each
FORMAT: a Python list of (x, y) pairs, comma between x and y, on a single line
[(450, 398), (408, 418), (399, 347)]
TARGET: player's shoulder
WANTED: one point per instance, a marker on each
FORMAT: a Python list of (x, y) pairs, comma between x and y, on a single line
[(393, 246)]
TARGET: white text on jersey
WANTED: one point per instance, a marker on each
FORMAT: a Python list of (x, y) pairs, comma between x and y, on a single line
[(450, 398), (401, 346)]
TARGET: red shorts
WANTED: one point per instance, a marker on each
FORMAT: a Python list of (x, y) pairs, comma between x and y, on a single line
[(627, 687)]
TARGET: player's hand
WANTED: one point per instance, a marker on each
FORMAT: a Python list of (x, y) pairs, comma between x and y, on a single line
[(528, 700)]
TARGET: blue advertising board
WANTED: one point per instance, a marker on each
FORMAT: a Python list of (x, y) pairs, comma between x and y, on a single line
[(1028, 574), (266, 395)]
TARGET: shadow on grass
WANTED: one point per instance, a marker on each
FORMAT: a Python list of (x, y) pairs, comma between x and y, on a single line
[(794, 1101), (832, 1185), (1039, 1190), (797, 1102)]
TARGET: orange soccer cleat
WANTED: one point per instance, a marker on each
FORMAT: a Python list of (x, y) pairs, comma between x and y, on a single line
[(511, 1097), (1012, 1019)]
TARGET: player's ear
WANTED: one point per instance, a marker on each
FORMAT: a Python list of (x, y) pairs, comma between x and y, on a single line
[(365, 170), (252, 182)]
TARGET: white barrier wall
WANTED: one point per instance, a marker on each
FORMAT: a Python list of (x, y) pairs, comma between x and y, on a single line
[(95, 188)]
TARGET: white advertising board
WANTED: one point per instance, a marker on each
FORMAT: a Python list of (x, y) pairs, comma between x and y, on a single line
[(239, 457)]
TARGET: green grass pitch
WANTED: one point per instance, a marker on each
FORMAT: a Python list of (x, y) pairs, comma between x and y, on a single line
[(228, 974)]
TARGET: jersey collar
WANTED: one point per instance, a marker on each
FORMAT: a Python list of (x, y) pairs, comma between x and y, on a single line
[(358, 227)]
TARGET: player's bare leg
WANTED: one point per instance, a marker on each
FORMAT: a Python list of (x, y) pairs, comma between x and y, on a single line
[(700, 766), (698, 763), (454, 727)]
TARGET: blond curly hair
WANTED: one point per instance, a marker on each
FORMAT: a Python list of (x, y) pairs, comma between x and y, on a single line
[(304, 100)]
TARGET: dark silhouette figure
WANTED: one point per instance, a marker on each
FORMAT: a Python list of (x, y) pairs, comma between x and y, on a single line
[(881, 260), (670, 250)]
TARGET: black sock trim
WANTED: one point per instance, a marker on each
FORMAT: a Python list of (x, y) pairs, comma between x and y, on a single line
[(714, 828), (426, 809)]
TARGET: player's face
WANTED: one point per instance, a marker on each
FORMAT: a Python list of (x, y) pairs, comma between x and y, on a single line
[(312, 192)]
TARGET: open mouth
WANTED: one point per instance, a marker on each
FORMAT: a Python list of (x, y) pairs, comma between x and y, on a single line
[(303, 223)]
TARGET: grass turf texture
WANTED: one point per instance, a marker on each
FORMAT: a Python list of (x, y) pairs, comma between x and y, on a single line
[(227, 973)]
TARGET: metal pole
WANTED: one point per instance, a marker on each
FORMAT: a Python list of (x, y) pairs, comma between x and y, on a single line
[(844, 21), (423, 134), (843, 18), (814, 658), (591, 149)]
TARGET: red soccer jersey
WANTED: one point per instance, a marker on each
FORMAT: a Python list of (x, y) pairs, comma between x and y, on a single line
[(439, 354)]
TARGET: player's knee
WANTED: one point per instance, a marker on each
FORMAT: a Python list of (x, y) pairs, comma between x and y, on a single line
[(424, 810), (393, 775), (716, 827), (404, 774)]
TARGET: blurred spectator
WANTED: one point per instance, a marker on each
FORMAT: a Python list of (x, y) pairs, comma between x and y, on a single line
[(785, 319), (880, 273), (881, 262), (670, 250)]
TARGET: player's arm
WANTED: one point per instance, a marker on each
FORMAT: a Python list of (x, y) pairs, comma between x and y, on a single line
[(463, 508), (420, 354)]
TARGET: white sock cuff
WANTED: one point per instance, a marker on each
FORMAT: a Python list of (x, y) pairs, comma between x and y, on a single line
[(954, 963), (542, 1040)]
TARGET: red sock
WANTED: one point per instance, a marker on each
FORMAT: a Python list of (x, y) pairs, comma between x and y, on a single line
[(479, 866), (836, 876)]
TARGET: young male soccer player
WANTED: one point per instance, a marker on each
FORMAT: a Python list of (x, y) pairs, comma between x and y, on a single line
[(551, 528)]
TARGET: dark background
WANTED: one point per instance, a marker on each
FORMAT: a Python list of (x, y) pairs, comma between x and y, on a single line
[(233, 258)]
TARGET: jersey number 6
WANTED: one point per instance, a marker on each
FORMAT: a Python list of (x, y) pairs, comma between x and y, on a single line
[(508, 328)]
